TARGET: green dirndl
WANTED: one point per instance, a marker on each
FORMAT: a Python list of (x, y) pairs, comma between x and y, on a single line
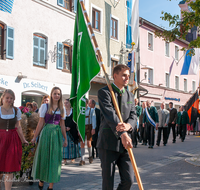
[(48, 155)]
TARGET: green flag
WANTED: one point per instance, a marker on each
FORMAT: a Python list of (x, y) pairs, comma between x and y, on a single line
[(84, 68)]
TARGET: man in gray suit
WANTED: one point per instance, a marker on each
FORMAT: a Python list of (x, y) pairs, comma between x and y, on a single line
[(114, 136), (163, 116)]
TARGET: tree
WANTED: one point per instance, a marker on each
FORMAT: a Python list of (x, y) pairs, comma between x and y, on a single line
[(180, 27)]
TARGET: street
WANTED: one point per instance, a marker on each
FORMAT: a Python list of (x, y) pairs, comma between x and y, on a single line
[(159, 168)]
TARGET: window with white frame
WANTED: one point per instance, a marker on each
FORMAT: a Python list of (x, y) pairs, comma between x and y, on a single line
[(39, 50), (64, 58), (167, 80), (114, 28), (185, 85), (150, 76), (176, 82), (150, 41), (167, 49), (176, 53), (6, 42), (70, 5), (193, 86), (96, 19)]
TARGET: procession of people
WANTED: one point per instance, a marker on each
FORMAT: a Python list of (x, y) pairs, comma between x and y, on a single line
[(59, 143)]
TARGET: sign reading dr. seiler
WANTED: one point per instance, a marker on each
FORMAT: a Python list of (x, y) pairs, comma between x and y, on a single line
[(34, 85), (175, 99)]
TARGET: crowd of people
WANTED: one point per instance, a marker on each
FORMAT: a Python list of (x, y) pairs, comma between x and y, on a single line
[(56, 135), (59, 143), (163, 120)]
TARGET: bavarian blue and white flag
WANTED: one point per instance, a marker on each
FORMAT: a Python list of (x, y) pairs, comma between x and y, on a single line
[(191, 63), (151, 121), (6, 5), (133, 23)]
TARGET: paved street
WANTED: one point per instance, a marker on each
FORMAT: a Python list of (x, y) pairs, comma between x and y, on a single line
[(160, 168)]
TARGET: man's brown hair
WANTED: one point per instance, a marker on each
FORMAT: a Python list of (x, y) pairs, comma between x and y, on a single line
[(119, 67)]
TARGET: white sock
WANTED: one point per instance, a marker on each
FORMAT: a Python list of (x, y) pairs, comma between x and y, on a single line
[(83, 154), (90, 151)]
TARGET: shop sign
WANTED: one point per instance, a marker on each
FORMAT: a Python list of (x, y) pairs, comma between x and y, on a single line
[(35, 85), (3, 82), (175, 99)]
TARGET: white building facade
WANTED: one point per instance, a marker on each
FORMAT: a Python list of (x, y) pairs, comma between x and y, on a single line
[(36, 47)]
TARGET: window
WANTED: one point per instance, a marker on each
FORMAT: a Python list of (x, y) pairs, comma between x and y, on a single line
[(185, 85), (64, 57), (7, 36), (70, 5), (176, 82), (167, 49), (167, 80), (1, 40), (176, 53), (193, 86), (96, 19), (150, 41), (114, 28), (114, 62), (67, 58), (150, 76), (39, 50)]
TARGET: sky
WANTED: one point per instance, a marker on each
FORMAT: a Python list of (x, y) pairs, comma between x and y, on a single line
[(151, 10)]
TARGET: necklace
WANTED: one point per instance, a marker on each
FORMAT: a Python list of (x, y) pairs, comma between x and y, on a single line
[(6, 109)]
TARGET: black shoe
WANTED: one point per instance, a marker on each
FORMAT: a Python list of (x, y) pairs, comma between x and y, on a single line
[(41, 187), (151, 147), (173, 141), (164, 144), (182, 140), (142, 143), (134, 146), (49, 189), (145, 144), (157, 144)]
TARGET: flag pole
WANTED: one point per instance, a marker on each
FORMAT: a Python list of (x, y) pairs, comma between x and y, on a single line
[(137, 175)]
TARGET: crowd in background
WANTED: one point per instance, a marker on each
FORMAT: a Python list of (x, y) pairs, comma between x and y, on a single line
[(56, 131)]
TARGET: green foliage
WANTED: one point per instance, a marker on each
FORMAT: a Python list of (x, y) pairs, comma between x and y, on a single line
[(180, 27)]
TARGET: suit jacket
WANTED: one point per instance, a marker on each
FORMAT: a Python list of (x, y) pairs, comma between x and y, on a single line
[(138, 111), (163, 116), (109, 138), (172, 115), (153, 113), (98, 121), (141, 117), (182, 119)]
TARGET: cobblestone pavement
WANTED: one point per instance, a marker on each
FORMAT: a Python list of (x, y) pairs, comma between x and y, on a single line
[(160, 168)]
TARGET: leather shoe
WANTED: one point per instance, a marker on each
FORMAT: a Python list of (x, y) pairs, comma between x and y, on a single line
[(157, 144), (164, 144), (82, 163), (41, 187), (173, 141)]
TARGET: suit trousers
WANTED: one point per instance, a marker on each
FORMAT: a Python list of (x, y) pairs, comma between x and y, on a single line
[(150, 134), (170, 125), (182, 131), (143, 133), (165, 135), (134, 136), (109, 159)]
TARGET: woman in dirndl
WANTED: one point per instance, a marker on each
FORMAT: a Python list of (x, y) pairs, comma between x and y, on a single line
[(73, 149), (11, 138), (48, 155)]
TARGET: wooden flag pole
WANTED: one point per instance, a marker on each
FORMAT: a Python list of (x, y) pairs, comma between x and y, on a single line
[(112, 93)]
